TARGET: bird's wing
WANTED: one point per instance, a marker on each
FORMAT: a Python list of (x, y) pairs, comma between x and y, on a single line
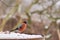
[(20, 25)]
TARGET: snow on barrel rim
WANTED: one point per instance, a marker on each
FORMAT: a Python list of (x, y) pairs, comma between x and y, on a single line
[(13, 35)]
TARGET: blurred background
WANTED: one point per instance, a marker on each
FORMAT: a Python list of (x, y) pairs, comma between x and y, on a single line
[(43, 17)]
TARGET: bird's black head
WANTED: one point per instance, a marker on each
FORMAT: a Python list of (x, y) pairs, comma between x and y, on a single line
[(25, 22)]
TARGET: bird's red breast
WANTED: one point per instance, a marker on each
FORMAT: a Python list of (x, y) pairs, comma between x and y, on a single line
[(23, 27)]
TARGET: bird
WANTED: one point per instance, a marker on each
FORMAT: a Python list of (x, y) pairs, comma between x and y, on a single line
[(21, 27)]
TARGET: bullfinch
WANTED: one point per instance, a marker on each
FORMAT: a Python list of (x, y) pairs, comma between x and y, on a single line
[(21, 27)]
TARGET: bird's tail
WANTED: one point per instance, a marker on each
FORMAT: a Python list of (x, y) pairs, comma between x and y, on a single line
[(12, 30)]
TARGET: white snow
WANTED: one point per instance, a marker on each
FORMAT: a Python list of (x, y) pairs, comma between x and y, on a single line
[(27, 3), (3, 16), (13, 35), (48, 36), (36, 17), (36, 7), (46, 27), (58, 21), (57, 5)]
